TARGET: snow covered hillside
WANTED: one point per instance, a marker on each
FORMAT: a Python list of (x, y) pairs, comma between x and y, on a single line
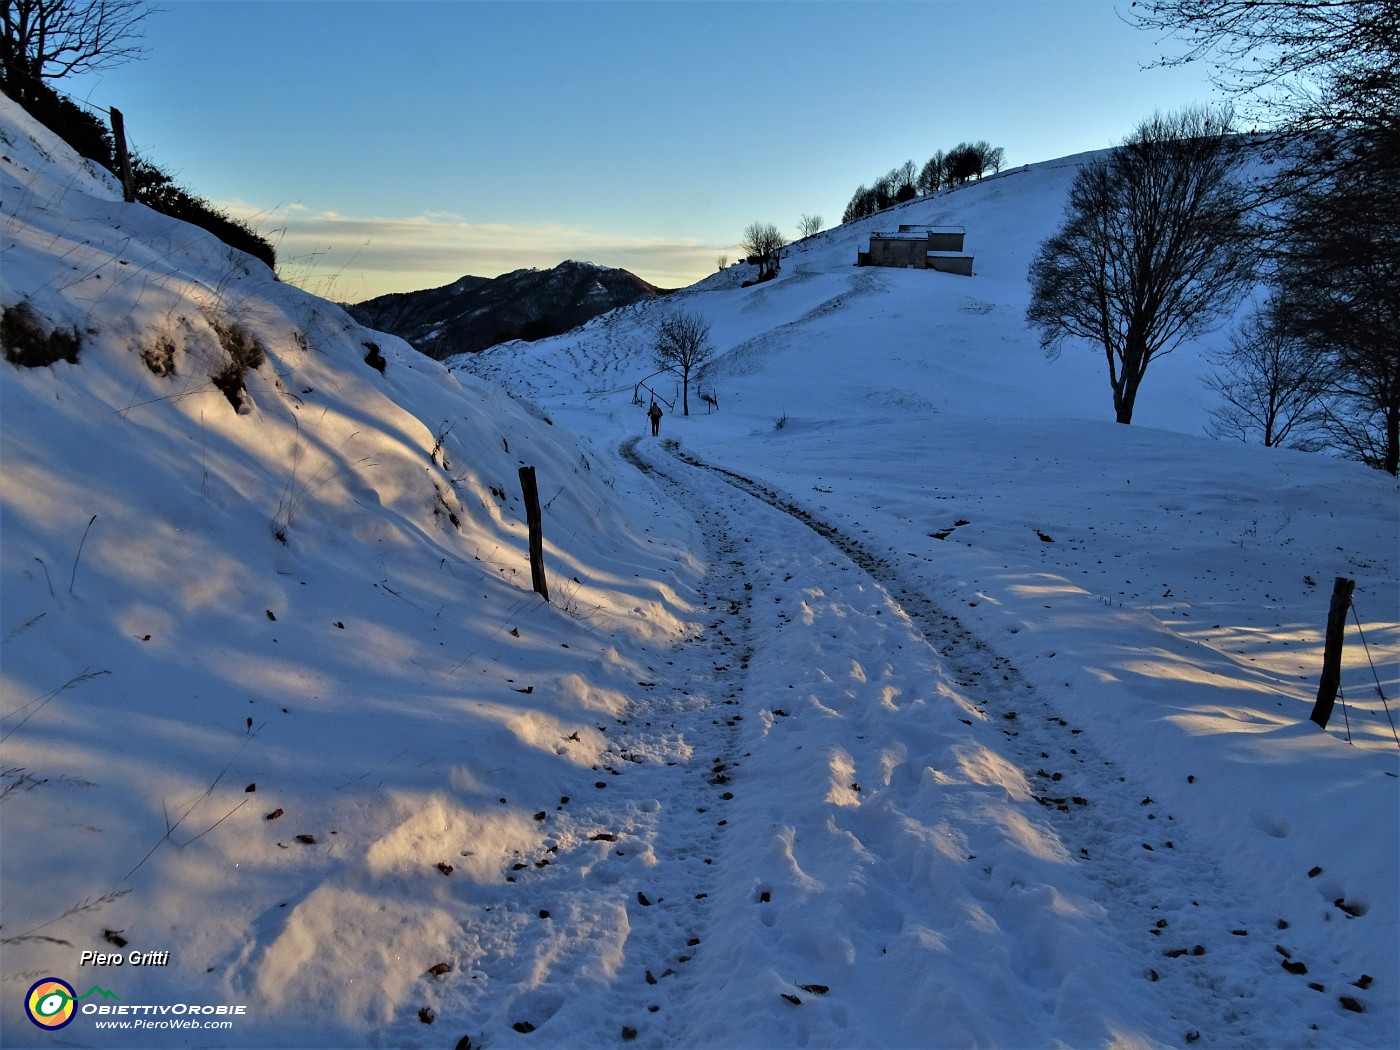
[(265, 668), (946, 714)]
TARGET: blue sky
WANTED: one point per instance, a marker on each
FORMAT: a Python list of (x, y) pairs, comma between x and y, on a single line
[(389, 145)]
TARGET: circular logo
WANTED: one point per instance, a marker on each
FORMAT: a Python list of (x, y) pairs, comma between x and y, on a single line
[(49, 1003)]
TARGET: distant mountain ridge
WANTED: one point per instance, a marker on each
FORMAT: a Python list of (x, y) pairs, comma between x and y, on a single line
[(473, 313)]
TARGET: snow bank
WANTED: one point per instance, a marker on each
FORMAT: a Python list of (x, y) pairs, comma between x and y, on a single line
[(270, 649)]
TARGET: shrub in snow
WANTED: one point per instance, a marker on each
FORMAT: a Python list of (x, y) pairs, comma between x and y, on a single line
[(160, 357), (152, 185), (28, 345), (374, 357), (244, 352)]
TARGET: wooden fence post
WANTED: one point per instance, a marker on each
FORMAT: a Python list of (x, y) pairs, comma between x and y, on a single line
[(531, 493), (123, 158), (1332, 653)]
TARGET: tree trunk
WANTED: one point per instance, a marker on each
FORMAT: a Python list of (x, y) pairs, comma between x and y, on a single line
[(1331, 679), (1392, 440), (1124, 397), (529, 488), (1134, 368), (123, 157)]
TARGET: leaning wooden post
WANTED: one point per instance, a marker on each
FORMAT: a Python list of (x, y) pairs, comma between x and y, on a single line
[(123, 158), (1332, 652), (532, 516)]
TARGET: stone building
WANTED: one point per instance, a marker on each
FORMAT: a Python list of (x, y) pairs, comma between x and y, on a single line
[(920, 248)]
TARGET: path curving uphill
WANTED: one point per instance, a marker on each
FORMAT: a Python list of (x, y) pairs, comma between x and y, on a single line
[(916, 831), (834, 816)]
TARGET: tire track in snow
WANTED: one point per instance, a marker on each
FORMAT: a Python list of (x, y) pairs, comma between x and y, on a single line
[(701, 713), (591, 943), (1167, 899), (825, 901)]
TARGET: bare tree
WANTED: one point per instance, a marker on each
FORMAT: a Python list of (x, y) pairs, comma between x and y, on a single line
[(883, 192), (964, 164), (1151, 251), (987, 157), (1273, 386), (1324, 77), (933, 175), (904, 181), (860, 205), (1320, 77), (1321, 63), (762, 242), (1338, 276), (52, 39), (721, 262), (809, 224), (683, 345)]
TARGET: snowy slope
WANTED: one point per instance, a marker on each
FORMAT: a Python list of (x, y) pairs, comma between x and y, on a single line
[(952, 716), (369, 672)]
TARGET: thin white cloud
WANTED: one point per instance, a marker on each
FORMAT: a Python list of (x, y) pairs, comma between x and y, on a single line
[(350, 258)]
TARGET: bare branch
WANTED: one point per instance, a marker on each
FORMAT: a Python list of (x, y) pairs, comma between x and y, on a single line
[(1321, 61), (52, 39)]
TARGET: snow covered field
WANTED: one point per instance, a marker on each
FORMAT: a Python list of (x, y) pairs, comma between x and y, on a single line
[(947, 713)]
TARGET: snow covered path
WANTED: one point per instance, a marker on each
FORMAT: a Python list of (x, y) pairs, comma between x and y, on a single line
[(879, 843), (887, 863)]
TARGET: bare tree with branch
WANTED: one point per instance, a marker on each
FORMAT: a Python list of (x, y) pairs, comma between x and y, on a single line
[(683, 346), (52, 39), (1338, 280), (1318, 63), (1272, 386), (1323, 78), (1151, 251), (934, 173), (762, 242)]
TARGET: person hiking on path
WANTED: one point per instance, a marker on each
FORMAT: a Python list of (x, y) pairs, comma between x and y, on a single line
[(654, 414)]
